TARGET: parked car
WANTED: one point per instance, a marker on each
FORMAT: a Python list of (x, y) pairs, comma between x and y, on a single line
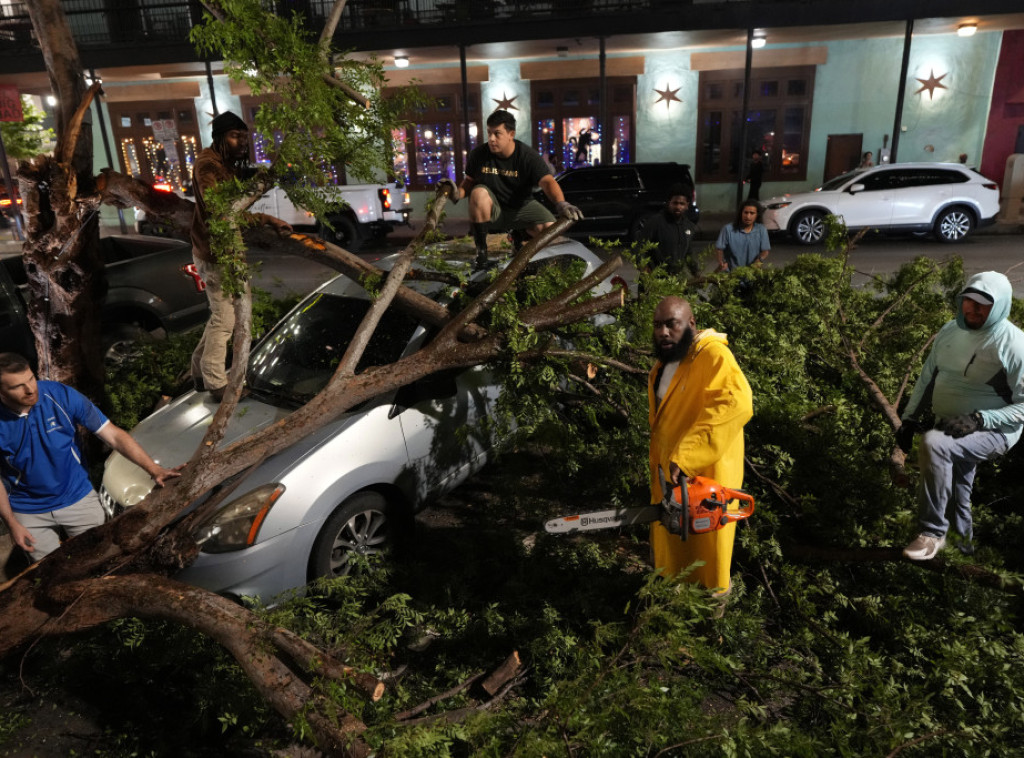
[(372, 211), (343, 490), (947, 199), (152, 288), (617, 199)]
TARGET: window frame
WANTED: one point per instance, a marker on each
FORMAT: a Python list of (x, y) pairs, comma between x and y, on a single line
[(719, 121)]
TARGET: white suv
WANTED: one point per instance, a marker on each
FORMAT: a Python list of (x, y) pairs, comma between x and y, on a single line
[(945, 198)]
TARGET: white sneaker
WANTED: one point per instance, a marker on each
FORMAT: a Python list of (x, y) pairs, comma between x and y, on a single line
[(924, 548)]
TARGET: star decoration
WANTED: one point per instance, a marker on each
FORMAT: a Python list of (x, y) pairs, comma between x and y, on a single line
[(668, 95), (505, 104), (931, 84)]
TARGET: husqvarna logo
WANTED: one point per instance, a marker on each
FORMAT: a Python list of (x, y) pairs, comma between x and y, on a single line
[(591, 520)]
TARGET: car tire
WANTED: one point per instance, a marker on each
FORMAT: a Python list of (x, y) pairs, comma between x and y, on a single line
[(809, 227), (121, 344), (954, 224), (365, 524), (345, 234)]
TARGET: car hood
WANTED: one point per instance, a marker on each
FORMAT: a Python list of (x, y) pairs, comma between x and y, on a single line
[(172, 434)]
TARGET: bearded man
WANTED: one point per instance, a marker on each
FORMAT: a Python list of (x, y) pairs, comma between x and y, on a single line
[(698, 401)]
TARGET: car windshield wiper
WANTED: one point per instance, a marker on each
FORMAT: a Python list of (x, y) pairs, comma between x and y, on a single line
[(276, 396)]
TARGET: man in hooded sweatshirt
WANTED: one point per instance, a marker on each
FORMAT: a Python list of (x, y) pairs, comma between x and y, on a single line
[(226, 159), (973, 383), (699, 401)]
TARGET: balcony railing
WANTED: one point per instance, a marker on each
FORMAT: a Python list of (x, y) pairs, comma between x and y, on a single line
[(105, 23)]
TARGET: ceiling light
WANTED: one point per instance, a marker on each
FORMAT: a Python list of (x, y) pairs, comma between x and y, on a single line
[(967, 30), (759, 40), (401, 61), (51, 100)]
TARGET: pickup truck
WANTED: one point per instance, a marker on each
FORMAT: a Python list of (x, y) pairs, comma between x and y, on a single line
[(372, 211), (153, 288)]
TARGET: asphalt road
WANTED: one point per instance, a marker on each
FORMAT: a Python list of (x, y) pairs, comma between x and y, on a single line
[(878, 255)]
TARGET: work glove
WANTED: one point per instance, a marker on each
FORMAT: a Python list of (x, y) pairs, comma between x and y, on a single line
[(453, 190), (961, 426), (567, 209), (905, 434)]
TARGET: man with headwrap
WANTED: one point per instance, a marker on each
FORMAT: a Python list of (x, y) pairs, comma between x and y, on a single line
[(227, 158), (973, 383), (699, 401)]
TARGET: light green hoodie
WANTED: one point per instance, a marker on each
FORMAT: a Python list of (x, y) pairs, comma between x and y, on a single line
[(981, 369)]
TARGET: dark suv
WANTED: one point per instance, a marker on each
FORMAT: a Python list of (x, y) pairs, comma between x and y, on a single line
[(616, 199), (153, 288)]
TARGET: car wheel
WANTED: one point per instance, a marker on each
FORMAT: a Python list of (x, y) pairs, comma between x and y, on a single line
[(121, 344), (954, 224), (362, 525), (345, 234), (809, 227)]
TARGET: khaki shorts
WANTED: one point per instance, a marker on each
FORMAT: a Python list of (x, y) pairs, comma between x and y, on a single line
[(506, 219), (74, 519)]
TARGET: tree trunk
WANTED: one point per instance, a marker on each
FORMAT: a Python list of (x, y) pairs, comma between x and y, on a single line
[(65, 272)]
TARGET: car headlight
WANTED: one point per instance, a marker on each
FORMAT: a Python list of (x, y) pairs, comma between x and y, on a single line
[(236, 526), (778, 206)]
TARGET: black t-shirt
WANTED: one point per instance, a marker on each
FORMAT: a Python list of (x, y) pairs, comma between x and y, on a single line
[(511, 179)]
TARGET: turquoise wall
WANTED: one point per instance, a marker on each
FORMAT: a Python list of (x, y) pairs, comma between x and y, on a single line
[(855, 92)]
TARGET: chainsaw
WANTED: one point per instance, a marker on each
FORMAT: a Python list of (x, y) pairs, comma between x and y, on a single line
[(697, 508)]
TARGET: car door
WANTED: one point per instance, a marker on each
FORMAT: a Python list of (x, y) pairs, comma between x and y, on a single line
[(605, 195), (921, 191), (870, 206), (440, 419)]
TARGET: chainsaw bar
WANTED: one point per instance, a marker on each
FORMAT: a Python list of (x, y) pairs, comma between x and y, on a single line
[(609, 519)]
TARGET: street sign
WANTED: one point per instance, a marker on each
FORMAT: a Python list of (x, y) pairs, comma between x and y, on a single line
[(10, 103)]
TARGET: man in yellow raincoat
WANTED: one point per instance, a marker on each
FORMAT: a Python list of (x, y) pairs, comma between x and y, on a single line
[(699, 401)]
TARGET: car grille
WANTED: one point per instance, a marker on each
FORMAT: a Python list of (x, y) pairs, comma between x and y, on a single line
[(109, 504)]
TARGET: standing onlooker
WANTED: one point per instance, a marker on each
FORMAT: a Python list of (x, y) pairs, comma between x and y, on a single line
[(867, 160), (754, 175), (698, 403), (226, 159), (45, 485), (673, 231), (744, 242), (973, 382)]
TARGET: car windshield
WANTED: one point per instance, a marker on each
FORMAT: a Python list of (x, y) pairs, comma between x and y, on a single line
[(839, 181), (296, 360)]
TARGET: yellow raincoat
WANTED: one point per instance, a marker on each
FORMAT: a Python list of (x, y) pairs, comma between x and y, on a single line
[(699, 426)]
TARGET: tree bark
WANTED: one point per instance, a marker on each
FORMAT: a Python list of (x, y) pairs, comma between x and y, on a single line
[(65, 272)]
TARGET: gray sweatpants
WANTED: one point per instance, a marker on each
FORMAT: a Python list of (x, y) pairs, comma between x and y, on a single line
[(948, 466)]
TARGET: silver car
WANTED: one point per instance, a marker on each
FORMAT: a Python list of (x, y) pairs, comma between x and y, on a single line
[(341, 491)]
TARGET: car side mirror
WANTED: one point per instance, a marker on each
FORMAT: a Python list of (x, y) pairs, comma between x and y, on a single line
[(855, 188)]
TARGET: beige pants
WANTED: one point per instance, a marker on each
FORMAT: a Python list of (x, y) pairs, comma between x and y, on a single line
[(209, 360)]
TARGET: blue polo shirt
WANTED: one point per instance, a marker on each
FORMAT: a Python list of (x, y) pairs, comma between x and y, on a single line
[(742, 248), (40, 462)]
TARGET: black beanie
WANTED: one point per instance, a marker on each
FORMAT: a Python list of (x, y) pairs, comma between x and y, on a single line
[(227, 121)]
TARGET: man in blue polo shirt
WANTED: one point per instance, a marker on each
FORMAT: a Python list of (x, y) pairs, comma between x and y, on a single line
[(46, 486)]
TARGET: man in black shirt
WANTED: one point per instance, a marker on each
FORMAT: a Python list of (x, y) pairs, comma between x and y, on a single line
[(673, 232), (499, 181)]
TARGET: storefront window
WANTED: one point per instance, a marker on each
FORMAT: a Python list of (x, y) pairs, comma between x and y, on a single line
[(437, 143), (435, 156), (158, 145), (777, 123), (567, 131)]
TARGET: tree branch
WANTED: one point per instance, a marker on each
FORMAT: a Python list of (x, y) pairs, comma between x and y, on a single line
[(69, 137)]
